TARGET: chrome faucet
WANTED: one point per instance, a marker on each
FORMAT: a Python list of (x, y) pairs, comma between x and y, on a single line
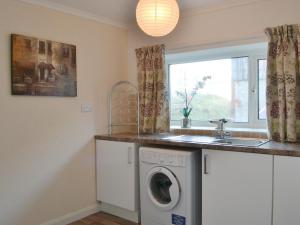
[(220, 132)]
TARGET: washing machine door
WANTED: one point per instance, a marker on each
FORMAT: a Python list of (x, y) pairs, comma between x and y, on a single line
[(163, 188)]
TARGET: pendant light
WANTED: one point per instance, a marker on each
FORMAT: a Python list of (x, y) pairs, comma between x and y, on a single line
[(157, 17)]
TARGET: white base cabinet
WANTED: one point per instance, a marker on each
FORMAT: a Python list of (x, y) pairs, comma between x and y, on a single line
[(236, 188), (286, 190), (117, 174)]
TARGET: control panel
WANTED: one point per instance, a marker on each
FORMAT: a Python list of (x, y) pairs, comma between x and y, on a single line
[(164, 158)]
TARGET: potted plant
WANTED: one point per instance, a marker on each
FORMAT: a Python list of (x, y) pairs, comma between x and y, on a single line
[(187, 99)]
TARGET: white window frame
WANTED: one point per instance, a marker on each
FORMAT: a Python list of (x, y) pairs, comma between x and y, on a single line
[(254, 52)]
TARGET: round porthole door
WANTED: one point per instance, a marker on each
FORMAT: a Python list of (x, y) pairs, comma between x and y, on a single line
[(163, 188)]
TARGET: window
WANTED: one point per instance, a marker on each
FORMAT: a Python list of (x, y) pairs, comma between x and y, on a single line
[(49, 44), (229, 82), (42, 47)]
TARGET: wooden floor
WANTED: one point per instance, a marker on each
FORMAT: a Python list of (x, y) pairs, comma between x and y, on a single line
[(102, 219)]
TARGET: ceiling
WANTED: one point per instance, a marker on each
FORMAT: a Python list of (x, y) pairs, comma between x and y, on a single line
[(120, 12)]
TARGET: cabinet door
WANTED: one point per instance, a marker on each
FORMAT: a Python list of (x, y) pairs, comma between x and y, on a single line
[(236, 188), (286, 190), (117, 174)]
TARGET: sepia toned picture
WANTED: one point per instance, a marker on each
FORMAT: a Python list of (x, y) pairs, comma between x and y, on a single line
[(43, 68)]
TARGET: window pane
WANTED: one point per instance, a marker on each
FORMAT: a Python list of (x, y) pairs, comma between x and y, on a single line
[(221, 87), (262, 68)]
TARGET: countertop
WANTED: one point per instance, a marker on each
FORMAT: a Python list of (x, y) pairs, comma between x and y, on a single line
[(271, 147)]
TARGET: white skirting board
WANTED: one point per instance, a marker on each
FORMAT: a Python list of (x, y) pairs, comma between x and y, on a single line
[(74, 216), (120, 212)]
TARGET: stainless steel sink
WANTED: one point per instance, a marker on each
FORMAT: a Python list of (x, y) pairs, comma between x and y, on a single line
[(192, 138), (241, 142), (213, 140)]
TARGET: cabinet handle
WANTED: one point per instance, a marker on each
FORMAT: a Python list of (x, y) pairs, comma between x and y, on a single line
[(205, 164), (129, 155)]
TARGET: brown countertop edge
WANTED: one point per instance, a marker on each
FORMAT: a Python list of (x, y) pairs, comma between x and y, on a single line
[(271, 147)]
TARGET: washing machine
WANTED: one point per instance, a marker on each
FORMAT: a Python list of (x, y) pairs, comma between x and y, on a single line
[(170, 187)]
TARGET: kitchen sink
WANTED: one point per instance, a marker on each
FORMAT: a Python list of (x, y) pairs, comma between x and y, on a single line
[(241, 142), (212, 140), (191, 138)]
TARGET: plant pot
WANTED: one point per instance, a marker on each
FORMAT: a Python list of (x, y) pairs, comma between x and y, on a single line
[(186, 123)]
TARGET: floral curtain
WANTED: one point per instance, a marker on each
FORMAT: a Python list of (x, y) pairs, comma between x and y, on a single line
[(283, 83), (153, 90)]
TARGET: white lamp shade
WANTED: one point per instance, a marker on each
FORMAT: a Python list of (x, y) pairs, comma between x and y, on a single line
[(157, 17)]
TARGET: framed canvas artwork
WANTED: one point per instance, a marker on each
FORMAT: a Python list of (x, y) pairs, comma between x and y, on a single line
[(42, 68)]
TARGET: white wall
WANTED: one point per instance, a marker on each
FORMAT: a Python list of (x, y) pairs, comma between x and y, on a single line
[(219, 26), (47, 153)]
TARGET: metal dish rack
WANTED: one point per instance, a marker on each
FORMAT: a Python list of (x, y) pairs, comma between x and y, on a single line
[(124, 107)]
